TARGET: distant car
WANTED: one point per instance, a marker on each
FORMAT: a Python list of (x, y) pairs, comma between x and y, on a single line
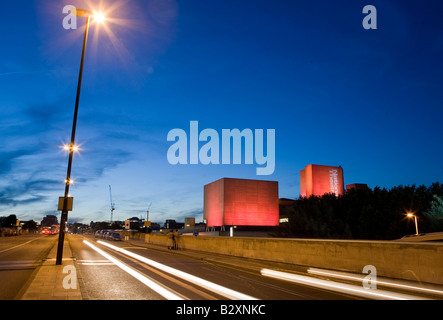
[(114, 236), (100, 233)]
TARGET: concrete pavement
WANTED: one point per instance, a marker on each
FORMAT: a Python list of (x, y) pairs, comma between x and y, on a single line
[(48, 282)]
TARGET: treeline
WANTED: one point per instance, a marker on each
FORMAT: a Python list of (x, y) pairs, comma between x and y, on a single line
[(377, 214)]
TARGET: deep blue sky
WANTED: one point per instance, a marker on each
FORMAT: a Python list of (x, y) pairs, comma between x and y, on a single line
[(336, 94)]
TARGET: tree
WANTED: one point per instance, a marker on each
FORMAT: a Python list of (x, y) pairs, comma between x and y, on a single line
[(434, 215), (30, 225), (10, 221), (101, 225), (378, 214)]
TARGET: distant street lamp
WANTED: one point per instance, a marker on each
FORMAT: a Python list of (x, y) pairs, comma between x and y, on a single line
[(72, 147), (411, 215)]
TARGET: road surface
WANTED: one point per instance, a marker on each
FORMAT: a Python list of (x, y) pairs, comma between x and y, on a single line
[(19, 258), (131, 270)]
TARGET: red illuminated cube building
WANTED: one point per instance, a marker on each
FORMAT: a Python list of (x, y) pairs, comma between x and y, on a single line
[(317, 180), (241, 202)]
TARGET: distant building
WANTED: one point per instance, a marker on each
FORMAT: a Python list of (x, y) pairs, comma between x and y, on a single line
[(191, 227), (283, 202), (318, 179), (189, 222), (241, 202), (172, 224), (134, 223), (357, 186), (154, 226), (285, 209)]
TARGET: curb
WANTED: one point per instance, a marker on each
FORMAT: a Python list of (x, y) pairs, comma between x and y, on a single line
[(48, 282)]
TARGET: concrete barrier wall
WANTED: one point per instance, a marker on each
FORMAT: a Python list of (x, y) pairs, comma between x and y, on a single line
[(408, 261)]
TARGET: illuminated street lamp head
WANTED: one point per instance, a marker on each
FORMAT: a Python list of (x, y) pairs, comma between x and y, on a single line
[(82, 12), (99, 17), (68, 148), (410, 215)]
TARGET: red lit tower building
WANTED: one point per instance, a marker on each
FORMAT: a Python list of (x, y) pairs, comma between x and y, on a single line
[(317, 180), (241, 202)]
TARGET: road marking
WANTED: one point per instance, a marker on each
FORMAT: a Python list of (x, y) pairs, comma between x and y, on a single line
[(182, 284), (18, 264), (337, 286), (226, 292), (95, 262), (17, 246), (142, 278)]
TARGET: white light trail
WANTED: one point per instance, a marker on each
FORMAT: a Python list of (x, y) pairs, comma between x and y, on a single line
[(151, 284), (359, 277), (336, 286), (226, 292)]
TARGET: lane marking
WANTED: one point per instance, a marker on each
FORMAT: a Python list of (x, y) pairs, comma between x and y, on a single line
[(20, 245), (226, 292), (182, 284), (18, 264), (95, 262), (337, 286), (167, 294), (18, 261)]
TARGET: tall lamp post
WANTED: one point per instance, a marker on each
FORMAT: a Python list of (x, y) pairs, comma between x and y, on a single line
[(411, 215), (66, 204)]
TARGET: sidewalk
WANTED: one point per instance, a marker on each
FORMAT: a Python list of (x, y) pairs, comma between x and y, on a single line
[(48, 281)]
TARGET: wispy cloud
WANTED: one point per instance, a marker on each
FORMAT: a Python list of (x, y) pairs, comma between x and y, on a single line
[(33, 164)]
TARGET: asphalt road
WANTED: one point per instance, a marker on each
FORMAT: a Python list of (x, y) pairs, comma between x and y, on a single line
[(19, 258), (131, 270), (103, 280)]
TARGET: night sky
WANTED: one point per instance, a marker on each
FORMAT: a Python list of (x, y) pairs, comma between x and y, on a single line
[(334, 92)]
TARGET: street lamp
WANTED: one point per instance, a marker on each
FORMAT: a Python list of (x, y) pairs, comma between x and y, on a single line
[(411, 215), (72, 147)]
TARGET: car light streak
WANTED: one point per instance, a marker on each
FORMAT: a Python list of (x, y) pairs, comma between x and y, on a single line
[(358, 277), (226, 292), (151, 284), (336, 286)]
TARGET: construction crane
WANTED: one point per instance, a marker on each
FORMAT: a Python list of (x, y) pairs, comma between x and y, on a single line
[(149, 207), (112, 203), (147, 222)]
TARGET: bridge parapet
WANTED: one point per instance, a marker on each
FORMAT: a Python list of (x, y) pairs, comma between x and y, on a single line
[(393, 259)]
